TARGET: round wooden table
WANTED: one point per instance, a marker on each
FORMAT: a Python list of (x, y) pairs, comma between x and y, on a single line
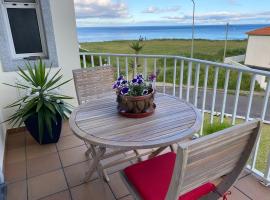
[(100, 125)]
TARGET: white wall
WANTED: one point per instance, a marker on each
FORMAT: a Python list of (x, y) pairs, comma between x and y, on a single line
[(258, 51), (68, 56)]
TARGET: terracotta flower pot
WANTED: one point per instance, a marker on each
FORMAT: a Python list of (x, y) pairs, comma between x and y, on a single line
[(136, 105)]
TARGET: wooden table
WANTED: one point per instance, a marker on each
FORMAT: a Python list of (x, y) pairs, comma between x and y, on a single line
[(99, 124)]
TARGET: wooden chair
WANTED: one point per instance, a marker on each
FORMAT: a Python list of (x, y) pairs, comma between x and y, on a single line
[(188, 174), (93, 82)]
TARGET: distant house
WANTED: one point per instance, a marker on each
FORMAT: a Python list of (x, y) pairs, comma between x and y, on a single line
[(258, 48)]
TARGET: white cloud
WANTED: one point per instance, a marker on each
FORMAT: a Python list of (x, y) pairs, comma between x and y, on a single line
[(101, 9), (154, 9), (222, 17)]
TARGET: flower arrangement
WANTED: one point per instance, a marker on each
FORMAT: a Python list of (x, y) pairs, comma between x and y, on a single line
[(136, 87), (136, 97), (41, 103)]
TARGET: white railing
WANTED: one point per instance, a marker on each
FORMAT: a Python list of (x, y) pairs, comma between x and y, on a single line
[(212, 99)]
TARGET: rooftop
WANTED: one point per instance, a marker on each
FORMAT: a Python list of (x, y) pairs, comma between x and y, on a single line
[(56, 171), (260, 31)]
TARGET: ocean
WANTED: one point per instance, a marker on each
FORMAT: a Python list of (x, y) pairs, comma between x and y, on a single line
[(210, 32)]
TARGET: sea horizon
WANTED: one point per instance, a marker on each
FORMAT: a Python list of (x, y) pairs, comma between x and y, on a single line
[(205, 32)]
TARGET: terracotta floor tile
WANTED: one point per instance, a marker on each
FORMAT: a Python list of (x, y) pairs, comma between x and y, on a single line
[(30, 140), (251, 187), (96, 190), (15, 155), (46, 184), (34, 151), (69, 142), (15, 172), (59, 196), (236, 195), (244, 174), (75, 174), (16, 141), (17, 191), (73, 155), (43, 164), (66, 129), (118, 186)]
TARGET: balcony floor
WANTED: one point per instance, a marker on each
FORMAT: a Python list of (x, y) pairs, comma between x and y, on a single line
[(55, 172)]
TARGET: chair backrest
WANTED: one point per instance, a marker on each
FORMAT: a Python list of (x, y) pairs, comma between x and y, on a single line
[(93, 82), (208, 158)]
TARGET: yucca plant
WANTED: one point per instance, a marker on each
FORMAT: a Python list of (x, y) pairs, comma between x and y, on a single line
[(137, 47), (40, 98)]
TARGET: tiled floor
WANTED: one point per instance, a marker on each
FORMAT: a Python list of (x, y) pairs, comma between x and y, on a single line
[(56, 171)]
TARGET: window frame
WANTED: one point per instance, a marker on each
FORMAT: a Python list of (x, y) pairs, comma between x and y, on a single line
[(17, 5)]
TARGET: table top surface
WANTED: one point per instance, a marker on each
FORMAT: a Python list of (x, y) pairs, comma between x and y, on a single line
[(99, 123)]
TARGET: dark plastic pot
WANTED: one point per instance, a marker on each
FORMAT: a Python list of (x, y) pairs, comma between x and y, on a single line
[(32, 126)]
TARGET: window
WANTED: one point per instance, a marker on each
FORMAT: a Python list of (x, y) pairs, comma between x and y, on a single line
[(25, 29)]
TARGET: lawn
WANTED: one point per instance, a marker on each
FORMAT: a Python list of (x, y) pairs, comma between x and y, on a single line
[(203, 49)]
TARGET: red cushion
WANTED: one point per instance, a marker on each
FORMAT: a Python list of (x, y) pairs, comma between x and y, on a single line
[(152, 177)]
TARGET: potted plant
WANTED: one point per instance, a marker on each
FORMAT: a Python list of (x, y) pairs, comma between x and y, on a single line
[(41, 107), (136, 97)]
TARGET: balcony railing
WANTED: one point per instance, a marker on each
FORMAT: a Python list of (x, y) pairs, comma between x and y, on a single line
[(214, 88)]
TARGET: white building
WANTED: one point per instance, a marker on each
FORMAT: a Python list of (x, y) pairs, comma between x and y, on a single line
[(258, 49), (49, 32)]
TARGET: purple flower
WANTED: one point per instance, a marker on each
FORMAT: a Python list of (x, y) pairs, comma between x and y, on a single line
[(140, 76), (124, 90), (115, 86), (124, 82), (140, 81), (152, 77), (134, 80), (120, 78), (145, 92)]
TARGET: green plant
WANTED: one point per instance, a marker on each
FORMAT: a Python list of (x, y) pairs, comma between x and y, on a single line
[(41, 97), (137, 47), (215, 127)]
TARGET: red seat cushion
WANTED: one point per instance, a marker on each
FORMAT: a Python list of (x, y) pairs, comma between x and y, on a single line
[(152, 177)]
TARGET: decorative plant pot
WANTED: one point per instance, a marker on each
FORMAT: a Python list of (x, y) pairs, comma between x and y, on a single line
[(136, 106), (32, 126)]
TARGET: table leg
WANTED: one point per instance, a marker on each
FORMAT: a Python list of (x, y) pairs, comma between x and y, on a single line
[(89, 150), (155, 153), (97, 156)]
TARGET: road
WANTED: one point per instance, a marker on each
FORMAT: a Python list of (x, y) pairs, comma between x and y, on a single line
[(256, 108)]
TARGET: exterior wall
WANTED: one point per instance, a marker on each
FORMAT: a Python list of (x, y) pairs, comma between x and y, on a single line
[(67, 48), (8, 62), (258, 51)]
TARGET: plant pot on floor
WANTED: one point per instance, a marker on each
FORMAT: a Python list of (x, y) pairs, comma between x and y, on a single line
[(32, 126)]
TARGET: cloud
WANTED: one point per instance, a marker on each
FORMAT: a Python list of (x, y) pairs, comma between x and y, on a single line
[(100, 9), (154, 9), (222, 17)]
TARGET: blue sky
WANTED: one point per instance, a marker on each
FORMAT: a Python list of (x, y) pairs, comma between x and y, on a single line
[(170, 12)]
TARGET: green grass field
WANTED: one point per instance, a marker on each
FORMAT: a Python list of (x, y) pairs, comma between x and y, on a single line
[(203, 49)]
